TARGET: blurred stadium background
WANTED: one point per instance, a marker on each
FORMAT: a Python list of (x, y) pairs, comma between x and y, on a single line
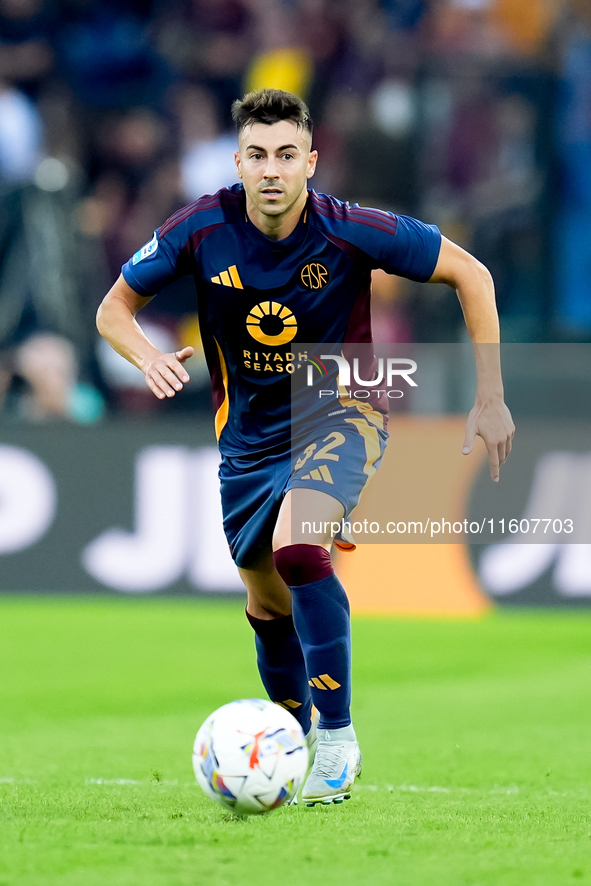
[(471, 114)]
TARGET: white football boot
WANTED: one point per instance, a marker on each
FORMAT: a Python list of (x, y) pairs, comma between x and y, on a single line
[(336, 766)]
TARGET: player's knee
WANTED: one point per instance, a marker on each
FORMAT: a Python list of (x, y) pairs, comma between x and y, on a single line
[(302, 564)]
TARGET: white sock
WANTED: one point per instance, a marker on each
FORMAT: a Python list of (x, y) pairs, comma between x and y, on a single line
[(345, 733)]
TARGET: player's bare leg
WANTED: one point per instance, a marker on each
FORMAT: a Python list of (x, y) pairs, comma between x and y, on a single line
[(303, 506), (267, 594), (307, 523)]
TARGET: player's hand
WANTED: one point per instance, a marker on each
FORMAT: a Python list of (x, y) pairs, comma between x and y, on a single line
[(166, 375), (492, 421)]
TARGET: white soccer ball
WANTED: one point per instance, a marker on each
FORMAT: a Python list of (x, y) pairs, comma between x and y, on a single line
[(251, 756)]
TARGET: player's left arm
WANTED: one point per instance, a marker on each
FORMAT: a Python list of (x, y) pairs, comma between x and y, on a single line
[(490, 417)]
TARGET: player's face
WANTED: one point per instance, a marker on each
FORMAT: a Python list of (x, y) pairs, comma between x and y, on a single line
[(275, 163)]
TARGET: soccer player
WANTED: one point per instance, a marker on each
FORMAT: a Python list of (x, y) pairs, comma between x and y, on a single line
[(276, 263)]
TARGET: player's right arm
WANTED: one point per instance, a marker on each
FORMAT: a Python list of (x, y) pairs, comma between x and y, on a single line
[(115, 320)]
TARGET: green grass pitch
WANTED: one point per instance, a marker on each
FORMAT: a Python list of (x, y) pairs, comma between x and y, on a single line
[(476, 739)]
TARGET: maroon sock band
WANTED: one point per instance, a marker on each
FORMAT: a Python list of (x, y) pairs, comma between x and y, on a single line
[(302, 564)]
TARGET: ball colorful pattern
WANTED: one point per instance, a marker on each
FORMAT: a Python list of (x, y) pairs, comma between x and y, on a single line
[(250, 756)]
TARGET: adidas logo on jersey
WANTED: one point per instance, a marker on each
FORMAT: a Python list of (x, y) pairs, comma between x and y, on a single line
[(230, 277)]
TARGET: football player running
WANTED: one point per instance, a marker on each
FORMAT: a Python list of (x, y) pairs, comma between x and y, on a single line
[(276, 263)]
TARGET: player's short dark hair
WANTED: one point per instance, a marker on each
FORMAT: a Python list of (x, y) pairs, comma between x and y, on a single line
[(270, 106)]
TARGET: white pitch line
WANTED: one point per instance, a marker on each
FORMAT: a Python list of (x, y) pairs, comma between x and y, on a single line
[(436, 789), (10, 780), (108, 781), (129, 781)]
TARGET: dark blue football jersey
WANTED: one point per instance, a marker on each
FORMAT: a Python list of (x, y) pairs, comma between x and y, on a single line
[(257, 297)]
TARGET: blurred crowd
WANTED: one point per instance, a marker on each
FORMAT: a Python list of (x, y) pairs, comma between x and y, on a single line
[(471, 114)]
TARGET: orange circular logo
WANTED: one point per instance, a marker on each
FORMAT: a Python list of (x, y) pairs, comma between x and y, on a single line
[(272, 324), (314, 275)]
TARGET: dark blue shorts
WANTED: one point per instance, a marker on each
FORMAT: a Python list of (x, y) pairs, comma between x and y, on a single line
[(339, 458)]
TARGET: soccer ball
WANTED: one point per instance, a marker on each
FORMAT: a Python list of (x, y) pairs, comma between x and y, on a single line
[(251, 756)]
